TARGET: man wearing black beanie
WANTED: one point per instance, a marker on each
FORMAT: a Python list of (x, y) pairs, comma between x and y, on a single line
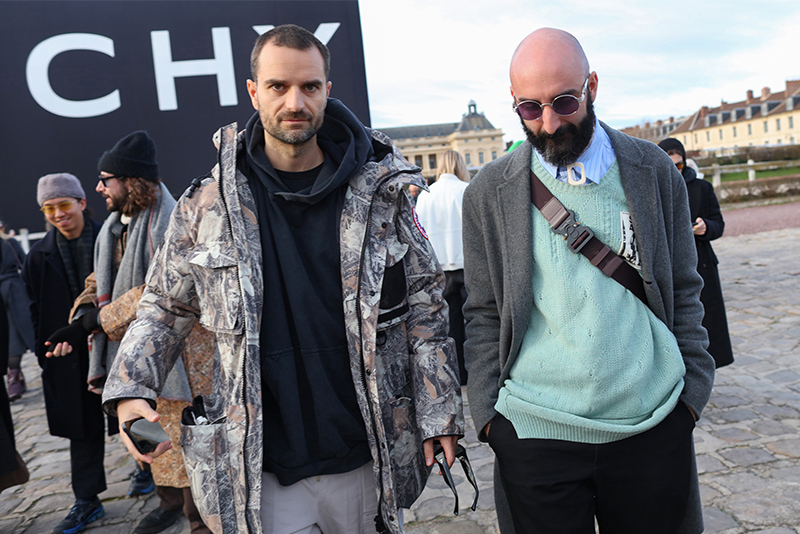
[(140, 206)]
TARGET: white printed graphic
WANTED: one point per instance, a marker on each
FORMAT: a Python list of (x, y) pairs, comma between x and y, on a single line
[(629, 251)]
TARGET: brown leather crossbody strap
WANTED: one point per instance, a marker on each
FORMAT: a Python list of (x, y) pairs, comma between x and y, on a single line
[(581, 239)]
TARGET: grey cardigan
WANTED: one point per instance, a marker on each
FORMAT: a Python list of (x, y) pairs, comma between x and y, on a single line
[(498, 240)]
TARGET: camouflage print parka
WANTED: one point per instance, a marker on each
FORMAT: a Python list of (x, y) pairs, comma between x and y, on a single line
[(209, 269)]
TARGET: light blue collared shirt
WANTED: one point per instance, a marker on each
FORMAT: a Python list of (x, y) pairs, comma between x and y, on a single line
[(597, 159)]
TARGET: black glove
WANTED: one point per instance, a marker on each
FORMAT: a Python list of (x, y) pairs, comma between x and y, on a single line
[(75, 334), (90, 319)]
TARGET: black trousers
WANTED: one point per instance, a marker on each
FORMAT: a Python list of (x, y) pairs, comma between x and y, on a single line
[(639, 484), (455, 294), (86, 457)]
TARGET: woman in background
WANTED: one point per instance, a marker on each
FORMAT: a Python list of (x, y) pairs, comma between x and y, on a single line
[(439, 212), (707, 225)]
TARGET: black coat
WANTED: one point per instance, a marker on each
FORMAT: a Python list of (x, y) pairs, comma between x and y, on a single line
[(703, 203), (8, 453), (72, 411)]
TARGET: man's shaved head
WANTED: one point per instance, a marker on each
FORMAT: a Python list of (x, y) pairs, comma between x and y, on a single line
[(549, 50)]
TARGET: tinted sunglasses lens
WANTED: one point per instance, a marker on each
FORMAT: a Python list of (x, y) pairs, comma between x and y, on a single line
[(566, 104), (529, 110)]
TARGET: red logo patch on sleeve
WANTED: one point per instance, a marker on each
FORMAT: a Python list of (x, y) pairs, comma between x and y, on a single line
[(419, 224)]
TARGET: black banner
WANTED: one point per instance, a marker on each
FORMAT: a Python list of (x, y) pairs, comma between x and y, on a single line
[(79, 75)]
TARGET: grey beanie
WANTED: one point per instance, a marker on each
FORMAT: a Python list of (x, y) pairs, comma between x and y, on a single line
[(60, 184), (134, 156)]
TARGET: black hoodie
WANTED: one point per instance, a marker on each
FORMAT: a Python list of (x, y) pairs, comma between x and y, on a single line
[(312, 423)]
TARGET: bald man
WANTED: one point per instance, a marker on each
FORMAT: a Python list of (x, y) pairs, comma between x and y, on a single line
[(586, 355)]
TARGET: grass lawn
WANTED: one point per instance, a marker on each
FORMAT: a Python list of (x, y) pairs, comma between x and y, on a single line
[(734, 176)]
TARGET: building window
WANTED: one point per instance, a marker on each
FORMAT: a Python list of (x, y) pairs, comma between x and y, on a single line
[(468, 159), (432, 161), (791, 122), (418, 161), (494, 154), (684, 141), (734, 131), (695, 138), (766, 126), (749, 129), (708, 136), (791, 140), (720, 134), (480, 158), (778, 124)]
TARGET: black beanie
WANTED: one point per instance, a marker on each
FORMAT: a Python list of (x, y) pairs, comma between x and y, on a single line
[(672, 144), (134, 156)]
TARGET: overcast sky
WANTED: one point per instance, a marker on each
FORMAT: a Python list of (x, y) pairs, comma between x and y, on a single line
[(426, 59)]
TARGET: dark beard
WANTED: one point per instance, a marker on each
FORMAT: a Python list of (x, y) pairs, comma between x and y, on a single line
[(565, 145), (292, 137)]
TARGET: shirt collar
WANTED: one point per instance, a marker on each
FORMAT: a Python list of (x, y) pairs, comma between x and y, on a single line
[(597, 159)]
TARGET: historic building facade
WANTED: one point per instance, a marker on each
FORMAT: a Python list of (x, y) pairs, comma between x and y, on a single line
[(474, 137), (771, 119)]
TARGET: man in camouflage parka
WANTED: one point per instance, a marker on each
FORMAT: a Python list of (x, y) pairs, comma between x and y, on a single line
[(211, 269)]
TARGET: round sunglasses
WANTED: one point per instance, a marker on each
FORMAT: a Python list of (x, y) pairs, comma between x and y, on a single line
[(564, 105)]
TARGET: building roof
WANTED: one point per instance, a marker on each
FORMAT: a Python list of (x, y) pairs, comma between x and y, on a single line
[(767, 104), (426, 130), (470, 121)]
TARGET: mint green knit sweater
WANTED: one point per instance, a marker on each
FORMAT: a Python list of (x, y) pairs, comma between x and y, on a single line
[(595, 365)]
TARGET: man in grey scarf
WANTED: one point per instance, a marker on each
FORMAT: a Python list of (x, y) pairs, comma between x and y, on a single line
[(140, 206)]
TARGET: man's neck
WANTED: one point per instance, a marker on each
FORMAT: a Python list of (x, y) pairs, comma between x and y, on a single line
[(293, 158)]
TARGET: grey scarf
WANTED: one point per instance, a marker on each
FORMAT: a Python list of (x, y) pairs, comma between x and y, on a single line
[(146, 232)]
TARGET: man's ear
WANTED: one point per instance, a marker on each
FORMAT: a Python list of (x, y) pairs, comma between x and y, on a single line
[(252, 90)]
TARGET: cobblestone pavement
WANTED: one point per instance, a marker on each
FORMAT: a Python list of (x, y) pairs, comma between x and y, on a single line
[(748, 441)]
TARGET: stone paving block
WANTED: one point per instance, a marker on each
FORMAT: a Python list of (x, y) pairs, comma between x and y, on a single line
[(787, 447), (735, 416), (43, 524), (436, 507), (734, 435), (47, 503), (742, 482), (708, 464), (716, 520), (747, 456), (8, 505), (10, 524), (727, 401), (784, 376), (771, 428), (780, 504), (485, 472), (461, 527), (787, 474), (476, 454), (777, 412), (436, 481), (51, 469), (707, 493)]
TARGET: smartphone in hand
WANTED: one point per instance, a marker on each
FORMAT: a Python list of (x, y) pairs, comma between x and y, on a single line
[(145, 435)]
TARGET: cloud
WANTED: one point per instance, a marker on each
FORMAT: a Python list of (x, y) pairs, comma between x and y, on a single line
[(426, 60)]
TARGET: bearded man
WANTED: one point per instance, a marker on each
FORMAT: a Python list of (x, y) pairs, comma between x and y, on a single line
[(333, 372), (585, 350), (140, 206)]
